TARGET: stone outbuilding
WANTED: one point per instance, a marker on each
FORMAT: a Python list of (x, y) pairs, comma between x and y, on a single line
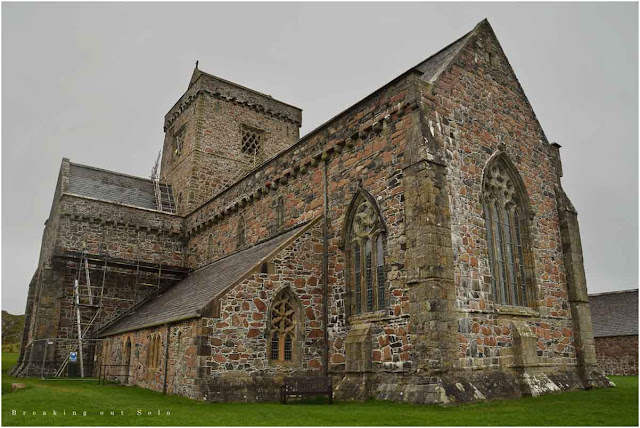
[(416, 247), (615, 329)]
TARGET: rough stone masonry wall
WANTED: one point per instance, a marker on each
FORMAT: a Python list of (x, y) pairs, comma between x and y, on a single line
[(177, 169), (220, 143), (237, 360), (183, 362), (211, 115), (103, 228), (365, 145), (618, 355), (477, 107)]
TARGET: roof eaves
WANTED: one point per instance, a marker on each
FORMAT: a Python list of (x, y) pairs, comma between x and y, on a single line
[(604, 293), (106, 333)]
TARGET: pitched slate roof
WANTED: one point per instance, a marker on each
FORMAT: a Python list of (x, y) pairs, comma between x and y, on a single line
[(115, 187), (615, 313), (433, 66), (185, 299)]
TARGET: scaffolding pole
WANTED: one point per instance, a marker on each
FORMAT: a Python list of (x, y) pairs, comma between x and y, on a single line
[(79, 323)]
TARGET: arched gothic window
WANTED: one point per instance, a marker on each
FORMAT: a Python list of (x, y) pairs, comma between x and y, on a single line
[(364, 235), (506, 207), (285, 317)]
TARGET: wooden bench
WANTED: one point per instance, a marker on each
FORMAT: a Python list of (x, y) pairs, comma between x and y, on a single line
[(306, 385)]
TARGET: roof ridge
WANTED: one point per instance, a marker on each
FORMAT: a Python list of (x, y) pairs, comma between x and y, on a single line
[(604, 293)]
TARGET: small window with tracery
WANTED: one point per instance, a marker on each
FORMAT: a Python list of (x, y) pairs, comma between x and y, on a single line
[(283, 328), (365, 246)]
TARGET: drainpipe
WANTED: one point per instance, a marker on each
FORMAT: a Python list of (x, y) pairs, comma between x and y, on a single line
[(166, 360), (325, 270)]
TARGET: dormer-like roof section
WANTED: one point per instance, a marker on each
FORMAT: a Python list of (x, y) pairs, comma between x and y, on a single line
[(202, 82)]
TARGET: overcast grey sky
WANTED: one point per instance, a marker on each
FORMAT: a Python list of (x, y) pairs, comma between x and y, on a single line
[(92, 82)]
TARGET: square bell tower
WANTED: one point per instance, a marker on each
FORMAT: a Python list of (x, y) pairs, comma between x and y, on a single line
[(217, 132)]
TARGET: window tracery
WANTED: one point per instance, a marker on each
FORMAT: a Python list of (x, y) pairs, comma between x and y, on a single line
[(283, 328), (503, 203), (365, 255)]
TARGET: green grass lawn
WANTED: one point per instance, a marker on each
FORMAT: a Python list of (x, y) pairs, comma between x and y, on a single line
[(612, 406)]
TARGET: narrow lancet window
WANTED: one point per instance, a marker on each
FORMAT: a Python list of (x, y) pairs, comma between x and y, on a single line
[(380, 270)]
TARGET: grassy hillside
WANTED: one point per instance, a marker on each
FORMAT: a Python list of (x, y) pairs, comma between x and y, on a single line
[(11, 331)]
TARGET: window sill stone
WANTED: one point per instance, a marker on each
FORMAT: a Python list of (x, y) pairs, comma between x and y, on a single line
[(516, 310), (376, 316)]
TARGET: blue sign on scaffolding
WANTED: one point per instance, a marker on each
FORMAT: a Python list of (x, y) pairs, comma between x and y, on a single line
[(73, 357)]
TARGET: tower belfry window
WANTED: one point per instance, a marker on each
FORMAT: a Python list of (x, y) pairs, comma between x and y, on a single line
[(178, 142), (251, 143)]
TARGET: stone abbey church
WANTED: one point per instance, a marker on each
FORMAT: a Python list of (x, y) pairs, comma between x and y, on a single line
[(416, 247)]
